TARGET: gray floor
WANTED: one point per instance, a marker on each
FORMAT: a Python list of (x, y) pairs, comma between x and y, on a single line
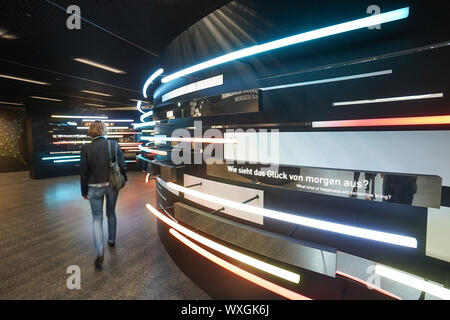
[(45, 226)]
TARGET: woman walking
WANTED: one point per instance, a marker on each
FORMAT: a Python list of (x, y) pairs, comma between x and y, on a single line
[(95, 183)]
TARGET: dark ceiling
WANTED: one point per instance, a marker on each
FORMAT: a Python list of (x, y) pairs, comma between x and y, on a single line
[(124, 34)]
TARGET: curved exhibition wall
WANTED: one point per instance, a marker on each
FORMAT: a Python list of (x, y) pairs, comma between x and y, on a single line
[(333, 120)]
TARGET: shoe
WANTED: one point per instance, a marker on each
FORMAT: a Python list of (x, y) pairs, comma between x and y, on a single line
[(98, 262), (112, 244)]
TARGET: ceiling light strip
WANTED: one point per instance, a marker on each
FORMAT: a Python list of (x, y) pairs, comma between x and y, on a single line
[(258, 264), (45, 98), (412, 281), (23, 79), (381, 122), (194, 87), (71, 142), (392, 99), (150, 80), (288, 294), (368, 285), (295, 39), (97, 93), (99, 65), (358, 232), (345, 78), (193, 140), (12, 103)]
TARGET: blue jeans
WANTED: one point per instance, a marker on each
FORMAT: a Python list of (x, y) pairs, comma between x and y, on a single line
[(96, 196)]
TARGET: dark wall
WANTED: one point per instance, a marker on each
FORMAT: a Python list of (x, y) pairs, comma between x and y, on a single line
[(13, 146)]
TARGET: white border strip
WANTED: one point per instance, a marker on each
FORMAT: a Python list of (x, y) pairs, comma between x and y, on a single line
[(308, 83), (193, 87), (393, 99)]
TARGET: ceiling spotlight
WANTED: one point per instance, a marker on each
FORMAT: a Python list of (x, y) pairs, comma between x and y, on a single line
[(97, 93), (12, 103), (45, 98), (23, 79), (99, 65)]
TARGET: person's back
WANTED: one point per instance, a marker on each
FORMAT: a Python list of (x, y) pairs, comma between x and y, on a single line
[(95, 164)]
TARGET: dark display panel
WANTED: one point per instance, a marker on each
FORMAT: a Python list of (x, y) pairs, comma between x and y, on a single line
[(13, 155)]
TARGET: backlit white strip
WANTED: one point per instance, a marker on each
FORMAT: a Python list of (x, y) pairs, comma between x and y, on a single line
[(308, 83), (144, 125), (413, 282), (109, 120), (146, 115), (79, 117), (194, 140), (393, 99), (193, 87), (304, 221)]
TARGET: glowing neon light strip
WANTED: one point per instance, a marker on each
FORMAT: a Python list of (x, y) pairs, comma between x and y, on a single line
[(368, 285), (150, 80), (393, 99), (238, 271), (308, 83), (148, 150), (298, 38), (117, 128), (381, 122), (143, 125), (108, 120), (79, 117), (67, 160), (194, 87), (413, 282), (72, 142), (147, 177), (303, 221), (276, 271), (194, 140), (60, 157)]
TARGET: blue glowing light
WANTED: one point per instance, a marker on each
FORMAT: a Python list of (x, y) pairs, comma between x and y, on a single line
[(60, 157), (66, 160), (150, 80), (295, 39)]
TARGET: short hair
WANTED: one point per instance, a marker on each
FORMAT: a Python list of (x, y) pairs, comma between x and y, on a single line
[(97, 128)]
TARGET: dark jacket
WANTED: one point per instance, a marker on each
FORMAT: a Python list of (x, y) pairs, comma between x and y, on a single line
[(95, 162)]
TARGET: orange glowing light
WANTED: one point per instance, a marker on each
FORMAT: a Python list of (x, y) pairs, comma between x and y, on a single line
[(381, 122), (367, 284), (238, 271)]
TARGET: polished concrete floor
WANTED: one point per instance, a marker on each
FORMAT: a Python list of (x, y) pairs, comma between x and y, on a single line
[(45, 227)]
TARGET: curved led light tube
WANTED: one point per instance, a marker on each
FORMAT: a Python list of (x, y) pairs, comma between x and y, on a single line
[(258, 264), (144, 125), (384, 122), (143, 158), (147, 177), (238, 271), (295, 39), (149, 81), (146, 115), (413, 282), (303, 221), (194, 140), (148, 150), (367, 284)]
